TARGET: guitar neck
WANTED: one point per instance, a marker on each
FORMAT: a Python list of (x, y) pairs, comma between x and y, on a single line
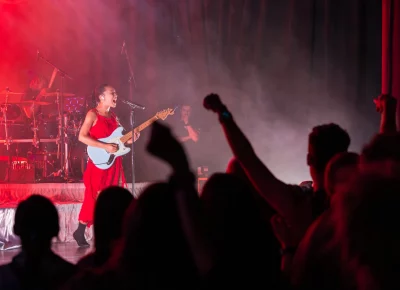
[(139, 128)]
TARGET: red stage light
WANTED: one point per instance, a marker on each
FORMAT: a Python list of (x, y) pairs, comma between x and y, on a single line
[(13, 1)]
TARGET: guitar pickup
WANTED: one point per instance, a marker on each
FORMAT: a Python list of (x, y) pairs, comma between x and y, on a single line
[(111, 159)]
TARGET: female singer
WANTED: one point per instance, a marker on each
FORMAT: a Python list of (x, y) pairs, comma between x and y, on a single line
[(100, 122)]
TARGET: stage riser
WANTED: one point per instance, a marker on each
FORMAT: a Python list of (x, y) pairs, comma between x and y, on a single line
[(12, 193), (68, 218), (67, 198)]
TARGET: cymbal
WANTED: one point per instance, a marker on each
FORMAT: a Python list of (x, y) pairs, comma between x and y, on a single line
[(54, 94), (10, 102), (35, 103), (9, 93), (42, 153)]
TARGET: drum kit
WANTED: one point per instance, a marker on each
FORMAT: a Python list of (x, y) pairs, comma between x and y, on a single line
[(49, 136)]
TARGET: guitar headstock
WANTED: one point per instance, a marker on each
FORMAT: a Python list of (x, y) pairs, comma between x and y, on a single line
[(165, 113)]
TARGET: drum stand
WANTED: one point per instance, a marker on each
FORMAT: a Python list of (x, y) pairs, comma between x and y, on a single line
[(62, 146), (35, 141), (7, 139)]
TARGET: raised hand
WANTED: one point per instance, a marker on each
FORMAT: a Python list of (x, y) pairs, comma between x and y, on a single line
[(213, 102), (384, 101), (164, 145)]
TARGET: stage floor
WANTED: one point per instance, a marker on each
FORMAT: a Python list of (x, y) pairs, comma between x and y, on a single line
[(69, 251)]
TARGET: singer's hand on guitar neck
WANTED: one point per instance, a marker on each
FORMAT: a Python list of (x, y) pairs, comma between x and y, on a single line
[(136, 136), (111, 148)]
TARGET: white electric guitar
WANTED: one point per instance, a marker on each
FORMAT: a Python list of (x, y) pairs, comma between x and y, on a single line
[(104, 160)]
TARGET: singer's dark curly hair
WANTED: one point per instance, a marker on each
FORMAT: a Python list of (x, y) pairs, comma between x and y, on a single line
[(97, 92)]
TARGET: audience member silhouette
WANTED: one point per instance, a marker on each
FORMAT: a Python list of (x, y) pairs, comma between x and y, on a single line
[(109, 212), (156, 254), (291, 202), (310, 269), (367, 226), (36, 267), (248, 253)]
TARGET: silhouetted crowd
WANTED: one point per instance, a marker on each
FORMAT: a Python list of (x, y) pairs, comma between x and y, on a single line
[(246, 230)]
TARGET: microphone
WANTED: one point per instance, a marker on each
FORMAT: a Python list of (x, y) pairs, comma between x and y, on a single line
[(38, 55), (123, 47), (133, 105)]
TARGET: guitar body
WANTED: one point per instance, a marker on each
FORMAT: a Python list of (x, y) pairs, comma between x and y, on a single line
[(104, 160), (100, 157)]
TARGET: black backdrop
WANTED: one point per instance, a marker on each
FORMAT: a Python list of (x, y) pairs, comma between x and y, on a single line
[(281, 66)]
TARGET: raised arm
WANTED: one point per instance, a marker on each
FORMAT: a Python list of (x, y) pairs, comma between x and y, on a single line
[(164, 146), (387, 105), (192, 133), (277, 193)]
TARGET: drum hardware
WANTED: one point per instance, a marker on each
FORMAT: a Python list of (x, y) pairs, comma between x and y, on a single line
[(41, 162), (7, 92), (19, 165), (72, 161), (7, 139), (13, 111), (59, 95), (35, 141), (38, 103), (55, 94), (11, 123), (13, 158), (11, 141), (72, 119)]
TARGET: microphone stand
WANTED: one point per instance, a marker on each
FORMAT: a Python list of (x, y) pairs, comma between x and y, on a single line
[(132, 83), (62, 146)]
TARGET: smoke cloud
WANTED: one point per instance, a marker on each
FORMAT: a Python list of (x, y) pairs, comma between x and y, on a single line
[(265, 72)]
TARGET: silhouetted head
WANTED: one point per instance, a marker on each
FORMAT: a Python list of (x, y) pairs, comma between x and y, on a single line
[(155, 251), (247, 250), (231, 209), (36, 221), (109, 213), (234, 168), (382, 147), (367, 219), (324, 142), (340, 171)]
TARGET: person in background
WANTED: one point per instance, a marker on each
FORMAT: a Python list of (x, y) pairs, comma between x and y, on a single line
[(37, 88), (184, 130)]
